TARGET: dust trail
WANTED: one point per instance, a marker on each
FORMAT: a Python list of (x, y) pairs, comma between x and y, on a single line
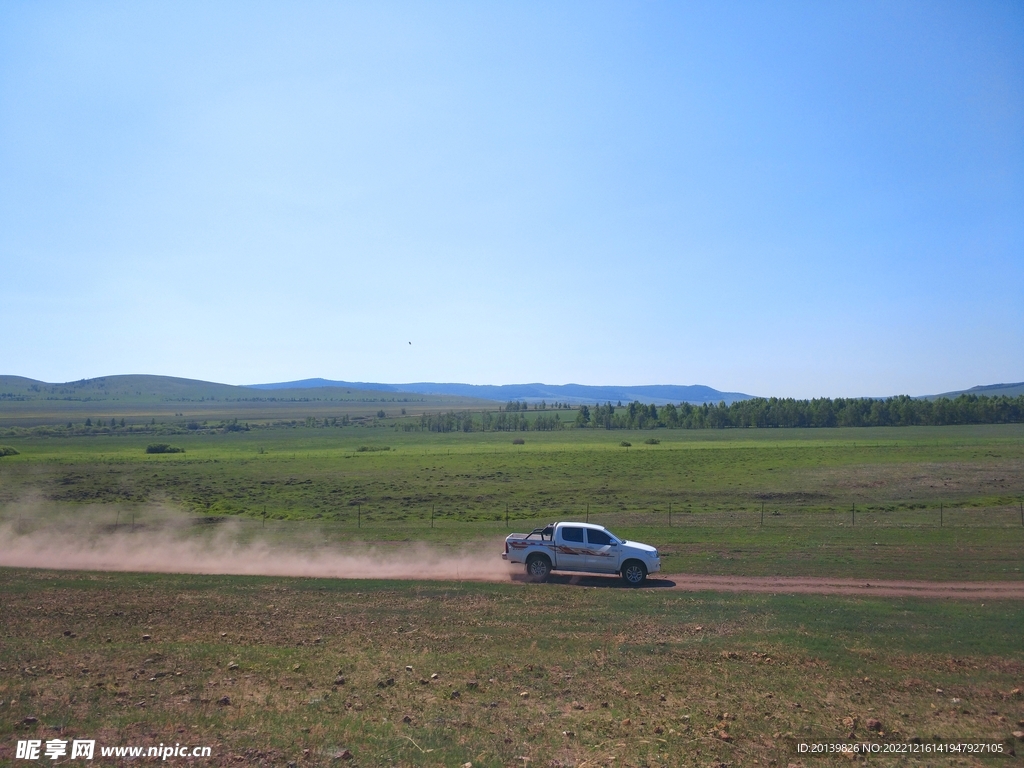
[(223, 552)]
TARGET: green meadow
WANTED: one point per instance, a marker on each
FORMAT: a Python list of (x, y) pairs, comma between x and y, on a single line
[(940, 502), (320, 672)]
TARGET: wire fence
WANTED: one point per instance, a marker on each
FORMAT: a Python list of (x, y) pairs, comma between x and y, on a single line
[(513, 517)]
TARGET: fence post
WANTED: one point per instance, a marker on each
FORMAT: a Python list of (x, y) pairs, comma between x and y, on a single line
[(264, 515)]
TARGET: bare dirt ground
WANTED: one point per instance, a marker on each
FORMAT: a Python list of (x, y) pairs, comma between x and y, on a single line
[(807, 585), (963, 590)]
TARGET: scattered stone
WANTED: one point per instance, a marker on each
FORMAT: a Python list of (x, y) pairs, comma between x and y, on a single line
[(493, 705), (343, 755), (939, 691), (472, 684), (147, 637), (407, 719), (662, 698), (723, 736), (223, 634), (730, 655), (569, 734), (1018, 735), (873, 724), (339, 680), (467, 765), (1015, 693), (296, 667), (659, 730), (233, 665), (67, 633), (224, 701), (604, 705), (424, 681), (434, 676), (318, 640), (524, 695), (627, 721), (577, 705), (698, 629), (30, 720), (408, 668), (456, 695), (916, 740), (850, 722)]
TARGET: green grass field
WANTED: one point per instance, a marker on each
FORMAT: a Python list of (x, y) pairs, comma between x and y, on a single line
[(836, 502), (554, 675)]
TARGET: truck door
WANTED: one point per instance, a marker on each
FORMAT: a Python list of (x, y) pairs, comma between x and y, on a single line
[(602, 553), (570, 549)]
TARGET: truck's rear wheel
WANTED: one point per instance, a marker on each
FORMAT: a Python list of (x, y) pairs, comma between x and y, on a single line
[(538, 568), (634, 573)]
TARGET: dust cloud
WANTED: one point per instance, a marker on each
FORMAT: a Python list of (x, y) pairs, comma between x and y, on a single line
[(175, 546)]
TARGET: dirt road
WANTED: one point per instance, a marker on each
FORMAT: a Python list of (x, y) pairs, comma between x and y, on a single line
[(960, 590)]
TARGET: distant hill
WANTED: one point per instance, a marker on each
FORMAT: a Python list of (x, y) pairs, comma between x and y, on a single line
[(26, 402), (576, 394), (988, 390)]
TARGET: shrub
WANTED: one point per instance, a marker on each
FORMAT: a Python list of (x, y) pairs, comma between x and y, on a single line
[(625, 444), (519, 441), (163, 448), (6, 450), (371, 448), (652, 441)]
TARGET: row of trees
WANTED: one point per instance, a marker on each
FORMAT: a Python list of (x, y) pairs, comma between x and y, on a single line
[(899, 411), (465, 421), (522, 405)]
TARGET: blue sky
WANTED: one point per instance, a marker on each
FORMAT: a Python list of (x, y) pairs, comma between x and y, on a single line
[(793, 199)]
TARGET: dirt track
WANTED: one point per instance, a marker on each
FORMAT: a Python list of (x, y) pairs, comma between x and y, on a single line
[(962, 590)]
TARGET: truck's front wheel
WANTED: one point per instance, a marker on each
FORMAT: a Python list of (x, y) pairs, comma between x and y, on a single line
[(634, 573), (538, 568)]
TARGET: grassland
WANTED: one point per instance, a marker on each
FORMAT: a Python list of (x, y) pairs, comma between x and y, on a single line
[(611, 677), (548, 675), (856, 502)]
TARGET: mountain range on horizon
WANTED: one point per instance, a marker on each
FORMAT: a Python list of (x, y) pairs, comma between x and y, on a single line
[(174, 388), (575, 394), (582, 394)]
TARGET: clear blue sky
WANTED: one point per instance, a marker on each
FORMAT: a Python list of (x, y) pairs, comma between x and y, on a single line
[(793, 199)]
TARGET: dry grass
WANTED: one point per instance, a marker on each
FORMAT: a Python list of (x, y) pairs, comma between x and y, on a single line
[(525, 675)]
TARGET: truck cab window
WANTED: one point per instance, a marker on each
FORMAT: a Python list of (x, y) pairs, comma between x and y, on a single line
[(572, 534), (597, 537)]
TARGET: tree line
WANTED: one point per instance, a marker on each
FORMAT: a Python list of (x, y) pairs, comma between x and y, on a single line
[(901, 411)]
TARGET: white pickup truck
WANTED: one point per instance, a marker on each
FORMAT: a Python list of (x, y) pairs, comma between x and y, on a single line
[(581, 547)]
